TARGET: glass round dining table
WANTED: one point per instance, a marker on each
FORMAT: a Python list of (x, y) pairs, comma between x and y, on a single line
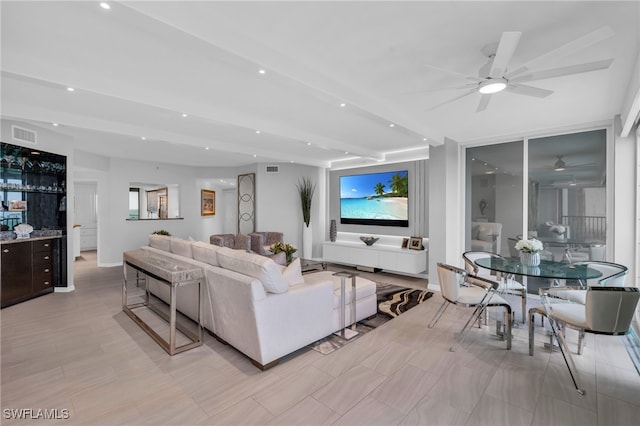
[(547, 269)]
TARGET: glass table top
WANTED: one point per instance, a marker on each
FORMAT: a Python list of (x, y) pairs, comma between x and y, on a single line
[(546, 269)]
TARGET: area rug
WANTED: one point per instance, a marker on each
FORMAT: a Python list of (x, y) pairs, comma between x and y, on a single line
[(393, 300)]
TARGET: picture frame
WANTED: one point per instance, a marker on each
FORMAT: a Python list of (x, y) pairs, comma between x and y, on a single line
[(415, 243), (207, 202), (17, 205), (405, 243)]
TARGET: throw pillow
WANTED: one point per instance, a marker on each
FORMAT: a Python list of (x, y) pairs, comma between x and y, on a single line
[(161, 242), (475, 229), (256, 266), (484, 234), (293, 273)]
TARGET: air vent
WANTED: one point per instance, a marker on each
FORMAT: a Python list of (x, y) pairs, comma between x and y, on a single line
[(272, 169), (22, 134)]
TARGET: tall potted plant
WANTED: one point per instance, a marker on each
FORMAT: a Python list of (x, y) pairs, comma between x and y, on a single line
[(306, 189)]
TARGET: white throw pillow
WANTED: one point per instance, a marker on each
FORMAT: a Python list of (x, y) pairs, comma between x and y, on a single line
[(161, 242), (181, 247), (293, 273), (256, 266), (484, 234), (207, 253)]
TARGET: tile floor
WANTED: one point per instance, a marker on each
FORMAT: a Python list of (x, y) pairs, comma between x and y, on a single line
[(78, 351)]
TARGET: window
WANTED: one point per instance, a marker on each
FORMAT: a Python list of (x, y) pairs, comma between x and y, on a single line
[(134, 203)]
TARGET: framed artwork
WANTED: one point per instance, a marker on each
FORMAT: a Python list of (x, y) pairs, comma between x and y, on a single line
[(17, 205), (405, 242), (207, 202), (415, 243)]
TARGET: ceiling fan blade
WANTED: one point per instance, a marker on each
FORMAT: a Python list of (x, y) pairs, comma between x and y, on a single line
[(459, 74), (562, 71), (521, 89), (577, 44), (484, 101), (470, 92), (507, 46), (438, 89)]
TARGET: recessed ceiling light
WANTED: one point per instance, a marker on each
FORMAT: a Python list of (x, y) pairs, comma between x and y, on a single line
[(257, 132), (55, 124), (346, 152), (70, 89), (254, 155), (424, 139), (35, 152), (143, 138), (308, 143), (343, 105), (105, 5), (291, 161), (206, 147), (262, 71), (184, 115), (392, 125)]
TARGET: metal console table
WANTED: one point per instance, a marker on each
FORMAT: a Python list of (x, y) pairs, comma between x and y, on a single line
[(173, 273)]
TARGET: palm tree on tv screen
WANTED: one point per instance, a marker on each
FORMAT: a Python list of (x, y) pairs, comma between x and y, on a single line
[(379, 189), (400, 185)]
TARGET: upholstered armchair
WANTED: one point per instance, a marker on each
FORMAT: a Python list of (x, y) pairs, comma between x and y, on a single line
[(262, 241), (238, 242), (486, 236)]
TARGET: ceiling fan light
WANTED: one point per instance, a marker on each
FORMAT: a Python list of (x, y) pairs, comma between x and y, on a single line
[(492, 86), (559, 165)]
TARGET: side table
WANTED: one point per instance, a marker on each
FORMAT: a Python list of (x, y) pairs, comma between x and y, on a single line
[(344, 332)]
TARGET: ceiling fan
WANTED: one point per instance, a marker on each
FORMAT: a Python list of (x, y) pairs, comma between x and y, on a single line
[(560, 165), (496, 75)]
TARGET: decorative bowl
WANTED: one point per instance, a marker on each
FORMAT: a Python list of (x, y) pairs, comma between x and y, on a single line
[(369, 240)]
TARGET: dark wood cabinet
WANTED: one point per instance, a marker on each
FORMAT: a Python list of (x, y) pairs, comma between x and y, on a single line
[(28, 269)]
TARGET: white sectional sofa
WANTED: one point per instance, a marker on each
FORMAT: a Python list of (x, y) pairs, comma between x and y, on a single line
[(262, 309)]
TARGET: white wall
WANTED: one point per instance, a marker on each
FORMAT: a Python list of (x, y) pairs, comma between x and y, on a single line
[(278, 205)]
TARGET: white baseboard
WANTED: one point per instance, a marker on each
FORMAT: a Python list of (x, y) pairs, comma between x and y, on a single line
[(67, 289)]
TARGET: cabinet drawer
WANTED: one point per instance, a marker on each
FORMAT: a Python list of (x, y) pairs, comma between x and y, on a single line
[(42, 279), (42, 258), (42, 246)]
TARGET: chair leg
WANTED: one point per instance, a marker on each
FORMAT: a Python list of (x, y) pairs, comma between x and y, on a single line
[(580, 341), (524, 305), (475, 316), (532, 326), (438, 314), (566, 354), (507, 325)]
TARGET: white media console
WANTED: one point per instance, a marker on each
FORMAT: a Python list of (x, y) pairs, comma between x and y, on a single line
[(387, 253)]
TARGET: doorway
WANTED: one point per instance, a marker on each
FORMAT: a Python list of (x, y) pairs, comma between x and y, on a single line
[(86, 215)]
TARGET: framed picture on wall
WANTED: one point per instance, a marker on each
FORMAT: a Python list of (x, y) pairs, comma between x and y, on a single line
[(415, 243), (17, 206), (207, 202)]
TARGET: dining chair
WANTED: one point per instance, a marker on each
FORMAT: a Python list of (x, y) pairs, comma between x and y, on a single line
[(613, 275), (607, 310), (467, 290), (507, 283)]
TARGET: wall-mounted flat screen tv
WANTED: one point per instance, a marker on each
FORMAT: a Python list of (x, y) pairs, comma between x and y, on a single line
[(375, 199)]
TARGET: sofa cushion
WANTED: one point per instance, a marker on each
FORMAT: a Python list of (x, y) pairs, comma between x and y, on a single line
[(256, 266), (162, 242), (181, 247), (293, 273), (207, 253)]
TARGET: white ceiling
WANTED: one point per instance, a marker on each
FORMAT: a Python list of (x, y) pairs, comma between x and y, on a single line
[(137, 67)]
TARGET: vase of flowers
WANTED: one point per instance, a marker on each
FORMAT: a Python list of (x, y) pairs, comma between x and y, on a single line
[(288, 250), (529, 251), (558, 231)]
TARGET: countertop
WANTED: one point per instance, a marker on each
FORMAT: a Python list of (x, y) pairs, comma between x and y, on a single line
[(22, 240)]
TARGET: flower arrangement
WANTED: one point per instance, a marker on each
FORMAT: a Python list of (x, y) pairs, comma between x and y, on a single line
[(288, 250), (558, 229), (529, 246)]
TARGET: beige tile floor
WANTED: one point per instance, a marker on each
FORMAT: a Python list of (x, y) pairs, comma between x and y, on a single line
[(78, 351)]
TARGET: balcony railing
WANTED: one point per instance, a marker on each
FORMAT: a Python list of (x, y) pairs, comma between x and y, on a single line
[(587, 227)]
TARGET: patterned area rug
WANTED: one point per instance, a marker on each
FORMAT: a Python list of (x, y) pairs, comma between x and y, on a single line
[(393, 300)]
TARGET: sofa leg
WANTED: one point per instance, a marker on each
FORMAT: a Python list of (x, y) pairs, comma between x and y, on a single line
[(265, 366)]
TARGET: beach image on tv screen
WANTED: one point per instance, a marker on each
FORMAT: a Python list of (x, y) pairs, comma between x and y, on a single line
[(377, 196)]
